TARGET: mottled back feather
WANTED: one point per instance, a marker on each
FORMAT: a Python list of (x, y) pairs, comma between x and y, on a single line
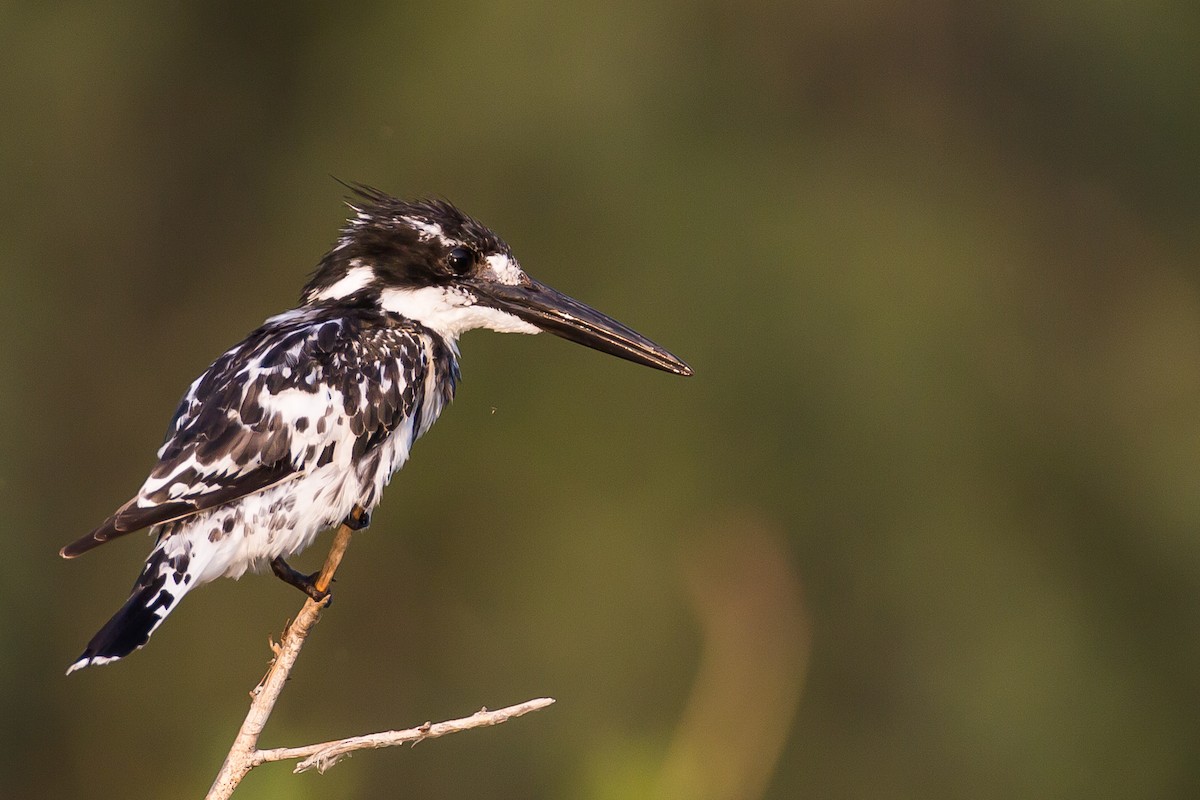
[(309, 382)]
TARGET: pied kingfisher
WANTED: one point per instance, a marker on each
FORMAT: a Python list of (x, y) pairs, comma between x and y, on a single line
[(310, 415)]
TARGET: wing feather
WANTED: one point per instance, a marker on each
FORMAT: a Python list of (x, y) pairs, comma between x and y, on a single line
[(286, 400)]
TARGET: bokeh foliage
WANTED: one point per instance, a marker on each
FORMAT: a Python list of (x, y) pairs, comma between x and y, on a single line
[(923, 525)]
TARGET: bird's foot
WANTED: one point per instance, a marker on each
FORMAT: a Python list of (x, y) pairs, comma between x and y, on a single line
[(357, 523), (305, 583)]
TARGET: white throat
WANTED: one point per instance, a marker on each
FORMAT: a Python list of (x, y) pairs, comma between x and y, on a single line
[(449, 311)]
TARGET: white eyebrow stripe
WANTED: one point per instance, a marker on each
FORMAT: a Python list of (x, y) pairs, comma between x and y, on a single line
[(505, 269), (428, 230)]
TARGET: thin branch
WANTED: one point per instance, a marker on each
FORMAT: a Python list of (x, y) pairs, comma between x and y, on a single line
[(244, 755), (324, 755), (240, 759)]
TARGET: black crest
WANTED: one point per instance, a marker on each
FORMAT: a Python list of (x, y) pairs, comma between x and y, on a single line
[(406, 243)]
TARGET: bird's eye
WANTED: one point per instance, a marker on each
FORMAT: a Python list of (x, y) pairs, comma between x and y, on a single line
[(461, 259)]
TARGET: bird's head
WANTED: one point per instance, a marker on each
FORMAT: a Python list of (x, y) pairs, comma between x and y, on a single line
[(430, 262)]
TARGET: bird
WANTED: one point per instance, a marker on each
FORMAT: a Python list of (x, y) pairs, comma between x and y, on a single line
[(301, 425)]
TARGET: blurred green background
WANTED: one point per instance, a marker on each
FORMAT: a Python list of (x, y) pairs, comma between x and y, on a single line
[(924, 524)]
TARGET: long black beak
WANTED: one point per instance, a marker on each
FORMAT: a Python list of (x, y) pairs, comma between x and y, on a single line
[(554, 312)]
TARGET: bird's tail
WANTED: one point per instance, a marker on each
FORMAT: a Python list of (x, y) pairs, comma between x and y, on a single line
[(164, 581)]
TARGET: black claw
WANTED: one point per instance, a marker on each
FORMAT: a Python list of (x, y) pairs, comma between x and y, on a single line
[(357, 524), (305, 583)]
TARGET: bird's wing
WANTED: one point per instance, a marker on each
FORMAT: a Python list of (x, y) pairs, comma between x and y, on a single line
[(307, 388)]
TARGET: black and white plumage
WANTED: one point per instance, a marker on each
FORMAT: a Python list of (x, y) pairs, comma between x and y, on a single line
[(313, 412)]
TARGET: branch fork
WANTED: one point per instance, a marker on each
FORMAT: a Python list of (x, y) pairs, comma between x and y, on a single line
[(244, 755)]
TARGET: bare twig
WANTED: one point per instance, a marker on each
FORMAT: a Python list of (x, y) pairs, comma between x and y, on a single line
[(240, 759), (324, 755), (244, 755)]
